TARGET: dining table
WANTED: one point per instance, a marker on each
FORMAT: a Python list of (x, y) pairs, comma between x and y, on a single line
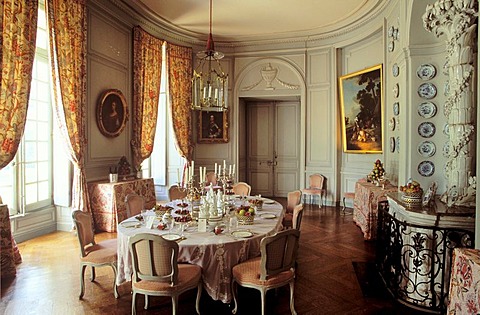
[(215, 253)]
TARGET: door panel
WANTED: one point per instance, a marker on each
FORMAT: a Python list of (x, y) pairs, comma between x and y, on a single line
[(287, 148), (273, 147), (260, 122)]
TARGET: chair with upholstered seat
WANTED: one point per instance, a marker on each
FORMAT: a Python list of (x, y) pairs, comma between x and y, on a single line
[(293, 199), (273, 269), (297, 216), (176, 193), (91, 253), (242, 189), (156, 271), (315, 188), (134, 204), (211, 178), (347, 195)]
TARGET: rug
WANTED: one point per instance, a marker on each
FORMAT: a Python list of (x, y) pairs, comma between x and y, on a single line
[(369, 279)]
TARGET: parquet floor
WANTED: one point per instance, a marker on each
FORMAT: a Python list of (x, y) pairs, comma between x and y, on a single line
[(48, 280)]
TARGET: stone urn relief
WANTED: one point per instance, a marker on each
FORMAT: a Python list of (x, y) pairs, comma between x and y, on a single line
[(269, 74)]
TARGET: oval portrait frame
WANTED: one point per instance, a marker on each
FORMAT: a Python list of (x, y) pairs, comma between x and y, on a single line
[(112, 113)]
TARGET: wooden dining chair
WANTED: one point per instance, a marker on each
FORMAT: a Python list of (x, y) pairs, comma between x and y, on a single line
[(211, 178), (242, 189), (175, 193), (91, 253), (315, 188), (297, 216), (134, 204), (273, 269), (156, 271), (293, 199)]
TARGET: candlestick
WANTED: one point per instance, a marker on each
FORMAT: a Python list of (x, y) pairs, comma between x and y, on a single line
[(215, 168), (230, 170)]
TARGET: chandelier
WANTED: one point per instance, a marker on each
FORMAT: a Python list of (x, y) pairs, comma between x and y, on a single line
[(209, 82)]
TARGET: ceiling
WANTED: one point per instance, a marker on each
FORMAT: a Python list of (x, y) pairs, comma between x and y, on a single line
[(233, 19)]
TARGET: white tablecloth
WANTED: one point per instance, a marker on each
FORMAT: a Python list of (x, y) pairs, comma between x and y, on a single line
[(216, 254)]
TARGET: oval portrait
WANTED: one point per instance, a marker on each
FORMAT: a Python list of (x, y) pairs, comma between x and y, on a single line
[(112, 113)]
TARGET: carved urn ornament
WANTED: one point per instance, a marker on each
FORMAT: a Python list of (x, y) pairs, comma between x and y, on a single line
[(457, 19)]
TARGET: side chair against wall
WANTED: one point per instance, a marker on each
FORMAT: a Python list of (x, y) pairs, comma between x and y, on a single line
[(242, 189), (91, 253), (134, 204), (156, 271), (293, 199), (316, 188), (273, 269), (175, 193)]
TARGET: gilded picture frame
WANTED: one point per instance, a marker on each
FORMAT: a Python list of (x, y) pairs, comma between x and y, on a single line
[(361, 102), (112, 113), (213, 127)]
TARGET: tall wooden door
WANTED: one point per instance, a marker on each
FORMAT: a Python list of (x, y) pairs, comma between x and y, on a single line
[(273, 145)]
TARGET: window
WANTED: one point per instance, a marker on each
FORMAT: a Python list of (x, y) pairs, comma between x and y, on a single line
[(26, 183), (165, 158)]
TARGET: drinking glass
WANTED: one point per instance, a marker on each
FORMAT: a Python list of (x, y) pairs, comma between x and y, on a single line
[(232, 224)]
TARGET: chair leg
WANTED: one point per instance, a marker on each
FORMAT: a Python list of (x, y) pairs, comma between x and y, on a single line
[(134, 309), (234, 293), (199, 294), (174, 304), (92, 276), (146, 302), (292, 306), (262, 297), (115, 288), (82, 281), (344, 206)]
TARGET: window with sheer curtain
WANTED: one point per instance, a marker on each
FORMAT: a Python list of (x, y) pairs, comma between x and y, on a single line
[(26, 183), (162, 165)]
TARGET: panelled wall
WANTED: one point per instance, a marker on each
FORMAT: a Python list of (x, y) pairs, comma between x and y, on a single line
[(308, 71)]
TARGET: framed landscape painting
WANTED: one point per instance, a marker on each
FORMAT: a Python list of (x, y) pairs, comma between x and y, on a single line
[(361, 102)]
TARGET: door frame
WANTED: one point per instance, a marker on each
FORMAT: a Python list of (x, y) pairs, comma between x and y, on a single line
[(298, 95)]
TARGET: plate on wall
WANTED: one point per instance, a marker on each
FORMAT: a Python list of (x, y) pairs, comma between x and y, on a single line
[(426, 148), (426, 71), (395, 70), (396, 108), (426, 129), (391, 123), (427, 109), (397, 144), (391, 46), (426, 168), (396, 90), (427, 90), (392, 144)]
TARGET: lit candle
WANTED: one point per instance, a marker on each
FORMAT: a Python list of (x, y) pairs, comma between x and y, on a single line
[(215, 168), (224, 165), (193, 169), (219, 170), (178, 176), (204, 173), (230, 170)]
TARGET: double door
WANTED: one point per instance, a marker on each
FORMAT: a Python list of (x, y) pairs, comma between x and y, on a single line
[(273, 147)]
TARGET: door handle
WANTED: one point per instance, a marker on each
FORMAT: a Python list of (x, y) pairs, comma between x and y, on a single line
[(269, 163)]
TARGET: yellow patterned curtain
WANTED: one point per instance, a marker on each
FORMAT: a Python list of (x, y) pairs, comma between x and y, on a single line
[(147, 72), (67, 21), (19, 32), (179, 63)]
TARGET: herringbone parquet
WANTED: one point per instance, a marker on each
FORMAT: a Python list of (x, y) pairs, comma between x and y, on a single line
[(48, 279)]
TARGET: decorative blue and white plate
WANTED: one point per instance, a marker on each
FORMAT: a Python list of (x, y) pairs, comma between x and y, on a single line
[(426, 168), (426, 129), (427, 109), (426, 148)]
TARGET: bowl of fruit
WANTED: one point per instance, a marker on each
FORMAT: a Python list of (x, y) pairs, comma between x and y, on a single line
[(412, 193), (256, 202), (245, 215)]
